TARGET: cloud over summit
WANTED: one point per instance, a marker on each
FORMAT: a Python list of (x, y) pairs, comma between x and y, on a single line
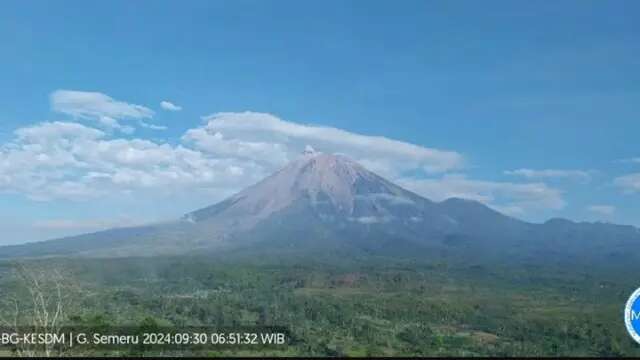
[(285, 138), (69, 160)]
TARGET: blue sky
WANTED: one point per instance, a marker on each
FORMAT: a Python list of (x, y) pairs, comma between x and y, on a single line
[(530, 107)]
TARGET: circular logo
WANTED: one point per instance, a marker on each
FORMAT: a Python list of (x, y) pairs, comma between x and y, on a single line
[(632, 315)]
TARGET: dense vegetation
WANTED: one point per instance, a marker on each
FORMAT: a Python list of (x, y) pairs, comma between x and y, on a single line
[(375, 307)]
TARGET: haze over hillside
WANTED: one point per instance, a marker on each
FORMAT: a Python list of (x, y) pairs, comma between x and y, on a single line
[(324, 204)]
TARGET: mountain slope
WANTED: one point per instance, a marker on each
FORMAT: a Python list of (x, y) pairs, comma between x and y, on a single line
[(325, 204)]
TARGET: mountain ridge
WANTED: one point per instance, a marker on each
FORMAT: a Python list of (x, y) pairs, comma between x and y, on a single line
[(320, 202)]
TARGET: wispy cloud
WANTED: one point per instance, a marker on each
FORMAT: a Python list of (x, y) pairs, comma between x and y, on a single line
[(105, 110), (90, 105), (169, 106), (152, 126), (509, 197), (580, 175), (635, 160), (602, 209), (628, 183)]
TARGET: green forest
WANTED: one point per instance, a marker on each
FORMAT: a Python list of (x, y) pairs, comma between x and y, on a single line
[(377, 307)]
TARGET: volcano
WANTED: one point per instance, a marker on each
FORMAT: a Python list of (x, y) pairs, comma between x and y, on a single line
[(324, 204)]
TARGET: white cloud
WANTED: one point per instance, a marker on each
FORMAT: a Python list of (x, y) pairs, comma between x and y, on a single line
[(628, 183), (602, 209), (550, 174), (508, 197), (635, 160), (167, 105), (269, 154), (260, 136), (113, 124), (62, 160), (98, 107), (53, 131), (71, 161), (84, 104)]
